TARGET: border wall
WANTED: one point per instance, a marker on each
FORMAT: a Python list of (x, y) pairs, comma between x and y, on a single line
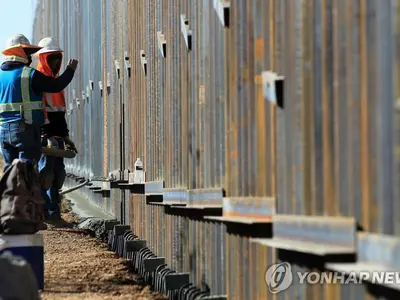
[(269, 132)]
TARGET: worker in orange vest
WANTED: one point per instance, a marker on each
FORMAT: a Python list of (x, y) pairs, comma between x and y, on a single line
[(55, 132)]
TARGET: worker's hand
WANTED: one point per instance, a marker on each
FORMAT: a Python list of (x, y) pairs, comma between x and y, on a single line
[(70, 144), (73, 64)]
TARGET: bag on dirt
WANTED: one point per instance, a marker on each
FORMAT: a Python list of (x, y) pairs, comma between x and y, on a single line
[(21, 202), (17, 280)]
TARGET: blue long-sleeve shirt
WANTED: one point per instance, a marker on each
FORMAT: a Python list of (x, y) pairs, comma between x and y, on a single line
[(45, 84)]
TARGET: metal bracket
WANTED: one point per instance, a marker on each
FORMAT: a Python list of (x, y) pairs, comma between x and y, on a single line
[(127, 64), (318, 235), (87, 93), (106, 186), (325, 230), (154, 191), (134, 188), (104, 194), (108, 83), (378, 249), (94, 188), (273, 88), (151, 264), (187, 33), (251, 207), (110, 224), (120, 229), (222, 9), (134, 245), (175, 196), (175, 280), (154, 187), (374, 252), (208, 196), (143, 61), (162, 44), (101, 88), (117, 68)]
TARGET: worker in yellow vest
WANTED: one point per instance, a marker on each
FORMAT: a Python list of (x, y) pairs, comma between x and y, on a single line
[(21, 94)]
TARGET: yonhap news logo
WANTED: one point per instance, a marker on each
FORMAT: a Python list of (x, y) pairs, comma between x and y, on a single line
[(279, 277)]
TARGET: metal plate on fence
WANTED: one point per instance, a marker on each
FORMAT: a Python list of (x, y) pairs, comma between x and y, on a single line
[(175, 280), (154, 187), (162, 44), (209, 196), (120, 229), (241, 220), (134, 245), (222, 9), (151, 264), (325, 230), (251, 207), (304, 247), (375, 253), (186, 32), (176, 196)]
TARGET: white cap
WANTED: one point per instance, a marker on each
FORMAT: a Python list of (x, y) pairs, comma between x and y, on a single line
[(48, 44), (18, 40)]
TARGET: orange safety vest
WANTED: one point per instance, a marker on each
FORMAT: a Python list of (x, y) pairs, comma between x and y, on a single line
[(52, 102)]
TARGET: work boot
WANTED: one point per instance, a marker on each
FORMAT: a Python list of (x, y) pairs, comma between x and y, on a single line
[(42, 226), (58, 222)]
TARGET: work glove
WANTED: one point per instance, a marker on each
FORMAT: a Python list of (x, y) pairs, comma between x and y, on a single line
[(73, 64), (52, 143), (70, 144)]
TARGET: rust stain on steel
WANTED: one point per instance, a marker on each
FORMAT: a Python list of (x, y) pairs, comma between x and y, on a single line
[(258, 217), (364, 119), (259, 48), (261, 140)]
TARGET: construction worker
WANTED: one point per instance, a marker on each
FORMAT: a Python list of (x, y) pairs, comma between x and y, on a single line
[(21, 93), (55, 133)]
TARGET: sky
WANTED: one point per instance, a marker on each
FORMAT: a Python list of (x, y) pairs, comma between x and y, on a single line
[(16, 17)]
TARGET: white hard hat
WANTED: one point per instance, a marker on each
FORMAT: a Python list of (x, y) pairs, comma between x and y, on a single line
[(19, 40), (48, 44)]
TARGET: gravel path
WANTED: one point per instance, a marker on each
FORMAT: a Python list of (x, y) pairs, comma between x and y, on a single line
[(78, 266)]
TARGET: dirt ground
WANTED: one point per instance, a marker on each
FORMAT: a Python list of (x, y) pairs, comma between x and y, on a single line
[(77, 266)]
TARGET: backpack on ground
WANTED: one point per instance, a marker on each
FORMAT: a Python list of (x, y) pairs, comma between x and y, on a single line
[(21, 202)]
